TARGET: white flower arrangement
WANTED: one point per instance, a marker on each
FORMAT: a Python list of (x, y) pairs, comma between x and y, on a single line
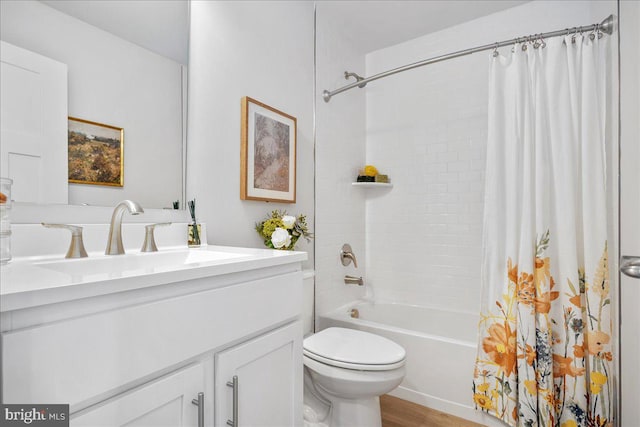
[(282, 231)]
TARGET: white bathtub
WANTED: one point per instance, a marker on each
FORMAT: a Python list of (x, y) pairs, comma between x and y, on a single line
[(441, 350)]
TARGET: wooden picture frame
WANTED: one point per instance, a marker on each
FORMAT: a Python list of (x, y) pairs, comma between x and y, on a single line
[(267, 153), (96, 153)]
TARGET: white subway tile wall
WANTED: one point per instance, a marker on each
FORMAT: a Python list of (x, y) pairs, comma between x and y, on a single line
[(340, 152), (427, 129)]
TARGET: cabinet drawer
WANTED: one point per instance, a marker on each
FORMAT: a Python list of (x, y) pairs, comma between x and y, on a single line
[(81, 361)]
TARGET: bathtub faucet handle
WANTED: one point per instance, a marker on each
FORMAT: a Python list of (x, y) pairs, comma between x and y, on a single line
[(346, 255), (352, 280)]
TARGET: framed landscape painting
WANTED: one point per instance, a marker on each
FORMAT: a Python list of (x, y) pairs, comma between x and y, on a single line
[(267, 154), (95, 153)]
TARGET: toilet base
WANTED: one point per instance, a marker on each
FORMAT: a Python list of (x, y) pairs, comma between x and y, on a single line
[(325, 409), (355, 412)]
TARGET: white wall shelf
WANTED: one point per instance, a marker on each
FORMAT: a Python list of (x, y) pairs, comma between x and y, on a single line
[(372, 184)]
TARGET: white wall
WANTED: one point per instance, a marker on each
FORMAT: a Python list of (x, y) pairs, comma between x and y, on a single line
[(115, 82), (630, 205), (427, 130), (259, 49), (340, 153)]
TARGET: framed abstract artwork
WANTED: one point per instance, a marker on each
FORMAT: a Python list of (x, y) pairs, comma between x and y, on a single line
[(267, 153)]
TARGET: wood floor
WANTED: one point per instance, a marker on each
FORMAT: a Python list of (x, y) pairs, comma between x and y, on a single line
[(401, 413)]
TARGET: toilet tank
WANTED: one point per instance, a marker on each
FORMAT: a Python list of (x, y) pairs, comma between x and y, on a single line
[(308, 281)]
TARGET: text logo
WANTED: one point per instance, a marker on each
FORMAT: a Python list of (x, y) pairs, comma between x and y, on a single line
[(34, 415)]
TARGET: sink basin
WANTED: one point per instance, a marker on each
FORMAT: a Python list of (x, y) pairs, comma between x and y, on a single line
[(137, 262)]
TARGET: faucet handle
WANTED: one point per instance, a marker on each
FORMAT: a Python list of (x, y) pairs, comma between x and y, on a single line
[(76, 248), (346, 255), (149, 244)]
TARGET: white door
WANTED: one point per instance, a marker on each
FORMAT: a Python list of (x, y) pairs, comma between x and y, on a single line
[(268, 386), (33, 125), (630, 208), (164, 402)]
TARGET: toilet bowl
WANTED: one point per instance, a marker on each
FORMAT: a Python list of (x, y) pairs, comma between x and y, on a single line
[(346, 371)]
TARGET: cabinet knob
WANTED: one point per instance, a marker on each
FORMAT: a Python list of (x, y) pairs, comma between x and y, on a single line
[(233, 422)]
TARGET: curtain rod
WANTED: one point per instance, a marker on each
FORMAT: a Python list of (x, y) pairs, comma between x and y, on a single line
[(606, 26)]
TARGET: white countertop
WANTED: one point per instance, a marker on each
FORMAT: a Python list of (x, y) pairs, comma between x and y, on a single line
[(34, 281)]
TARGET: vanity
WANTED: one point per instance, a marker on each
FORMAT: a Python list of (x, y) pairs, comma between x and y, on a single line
[(180, 337)]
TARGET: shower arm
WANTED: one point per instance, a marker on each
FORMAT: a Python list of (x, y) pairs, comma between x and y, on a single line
[(606, 26)]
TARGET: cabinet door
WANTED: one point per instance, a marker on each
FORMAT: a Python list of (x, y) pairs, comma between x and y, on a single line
[(163, 402), (33, 125), (269, 380)]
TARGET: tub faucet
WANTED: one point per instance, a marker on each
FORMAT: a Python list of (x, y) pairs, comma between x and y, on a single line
[(347, 256), (352, 280), (114, 242)]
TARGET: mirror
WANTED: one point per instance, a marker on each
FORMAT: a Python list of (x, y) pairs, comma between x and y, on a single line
[(127, 68)]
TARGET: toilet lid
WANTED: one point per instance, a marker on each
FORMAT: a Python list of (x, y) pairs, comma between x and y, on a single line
[(350, 346)]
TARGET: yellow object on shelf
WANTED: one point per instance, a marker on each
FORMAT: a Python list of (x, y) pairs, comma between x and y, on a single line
[(370, 170)]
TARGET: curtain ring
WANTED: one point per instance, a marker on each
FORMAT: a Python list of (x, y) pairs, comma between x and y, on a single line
[(495, 50)]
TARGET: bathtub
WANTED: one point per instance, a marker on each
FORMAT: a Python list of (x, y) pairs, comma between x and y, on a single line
[(441, 350)]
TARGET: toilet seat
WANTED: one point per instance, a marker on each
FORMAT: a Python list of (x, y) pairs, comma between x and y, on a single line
[(354, 349)]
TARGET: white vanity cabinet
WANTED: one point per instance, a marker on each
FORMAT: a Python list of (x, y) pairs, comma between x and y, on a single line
[(139, 357)]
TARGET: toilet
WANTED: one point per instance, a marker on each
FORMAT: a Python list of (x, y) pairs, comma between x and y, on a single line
[(345, 372)]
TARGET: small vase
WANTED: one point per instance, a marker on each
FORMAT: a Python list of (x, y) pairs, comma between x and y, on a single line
[(5, 220), (194, 235)]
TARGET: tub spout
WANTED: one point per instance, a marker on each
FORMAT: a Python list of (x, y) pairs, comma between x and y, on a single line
[(114, 242), (352, 280)]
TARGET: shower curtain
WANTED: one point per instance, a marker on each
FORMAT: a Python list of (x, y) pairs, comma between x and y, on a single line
[(545, 346)]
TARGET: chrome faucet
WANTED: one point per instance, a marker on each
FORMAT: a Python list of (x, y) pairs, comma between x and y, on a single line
[(114, 242)]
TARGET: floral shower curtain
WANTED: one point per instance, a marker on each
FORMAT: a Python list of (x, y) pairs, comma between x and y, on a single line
[(545, 345)]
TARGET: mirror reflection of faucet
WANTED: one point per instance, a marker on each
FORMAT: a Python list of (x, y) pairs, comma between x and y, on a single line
[(347, 256)]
